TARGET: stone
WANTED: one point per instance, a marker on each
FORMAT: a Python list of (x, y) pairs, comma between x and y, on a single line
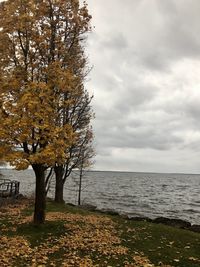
[(108, 211), (195, 228), (140, 219), (88, 207), (173, 222)]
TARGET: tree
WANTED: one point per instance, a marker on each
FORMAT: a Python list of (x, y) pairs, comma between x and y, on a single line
[(77, 113), (81, 154), (36, 74), (81, 151), (85, 160)]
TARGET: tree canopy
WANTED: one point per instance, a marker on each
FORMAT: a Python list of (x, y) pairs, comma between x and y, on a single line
[(41, 77), (36, 74)]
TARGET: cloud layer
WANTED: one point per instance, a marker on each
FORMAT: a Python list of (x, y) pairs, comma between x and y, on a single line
[(146, 84)]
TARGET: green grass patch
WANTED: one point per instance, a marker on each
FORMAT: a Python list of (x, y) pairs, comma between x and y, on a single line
[(159, 243)]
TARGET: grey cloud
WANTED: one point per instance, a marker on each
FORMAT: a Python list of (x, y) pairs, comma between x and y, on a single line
[(115, 40), (144, 101), (136, 95), (161, 33), (177, 37), (137, 133)]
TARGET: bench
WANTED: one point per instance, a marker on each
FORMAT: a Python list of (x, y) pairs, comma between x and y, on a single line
[(9, 188)]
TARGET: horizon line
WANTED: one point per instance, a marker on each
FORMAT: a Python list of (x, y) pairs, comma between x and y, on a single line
[(91, 170)]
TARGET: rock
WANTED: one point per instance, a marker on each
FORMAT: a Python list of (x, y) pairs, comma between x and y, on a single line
[(173, 222), (88, 207), (140, 219), (125, 216), (108, 211), (195, 228)]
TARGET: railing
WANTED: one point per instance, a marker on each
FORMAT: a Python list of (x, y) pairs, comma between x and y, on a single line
[(8, 188)]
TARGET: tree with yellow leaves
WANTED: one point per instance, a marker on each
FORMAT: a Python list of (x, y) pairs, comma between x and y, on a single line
[(36, 75)]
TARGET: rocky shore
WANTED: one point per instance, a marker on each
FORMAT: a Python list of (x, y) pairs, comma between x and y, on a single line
[(178, 223)]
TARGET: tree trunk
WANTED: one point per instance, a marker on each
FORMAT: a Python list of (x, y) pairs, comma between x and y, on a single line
[(59, 184), (40, 196)]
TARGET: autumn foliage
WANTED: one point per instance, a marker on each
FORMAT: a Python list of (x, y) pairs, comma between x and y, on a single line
[(77, 238), (38, 83)]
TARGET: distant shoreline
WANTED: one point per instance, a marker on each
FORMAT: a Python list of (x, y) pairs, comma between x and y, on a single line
[(117, 171)]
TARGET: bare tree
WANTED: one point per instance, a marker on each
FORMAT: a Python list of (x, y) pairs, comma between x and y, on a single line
[(81, 151), (86, 155)]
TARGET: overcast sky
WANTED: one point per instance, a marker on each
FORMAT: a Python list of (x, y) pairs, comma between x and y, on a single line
[(146, 84)]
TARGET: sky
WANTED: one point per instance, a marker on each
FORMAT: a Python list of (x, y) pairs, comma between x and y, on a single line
[(145, 80), (146, 84)]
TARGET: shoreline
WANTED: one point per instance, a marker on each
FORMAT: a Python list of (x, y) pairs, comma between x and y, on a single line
[(141, 195), (177, 223), (173, 222)]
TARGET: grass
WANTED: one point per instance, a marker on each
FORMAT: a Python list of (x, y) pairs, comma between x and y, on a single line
[(160, 243), (75, 237)]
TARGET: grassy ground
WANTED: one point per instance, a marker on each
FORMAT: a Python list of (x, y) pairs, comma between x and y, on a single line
[(75, 237)]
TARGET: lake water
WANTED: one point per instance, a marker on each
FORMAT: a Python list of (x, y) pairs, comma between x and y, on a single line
[(137, 194)]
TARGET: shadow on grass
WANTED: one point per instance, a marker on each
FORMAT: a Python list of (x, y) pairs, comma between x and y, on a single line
[(37, 234)]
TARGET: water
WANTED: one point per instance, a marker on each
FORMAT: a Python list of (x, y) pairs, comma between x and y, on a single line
[(137, 194)]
